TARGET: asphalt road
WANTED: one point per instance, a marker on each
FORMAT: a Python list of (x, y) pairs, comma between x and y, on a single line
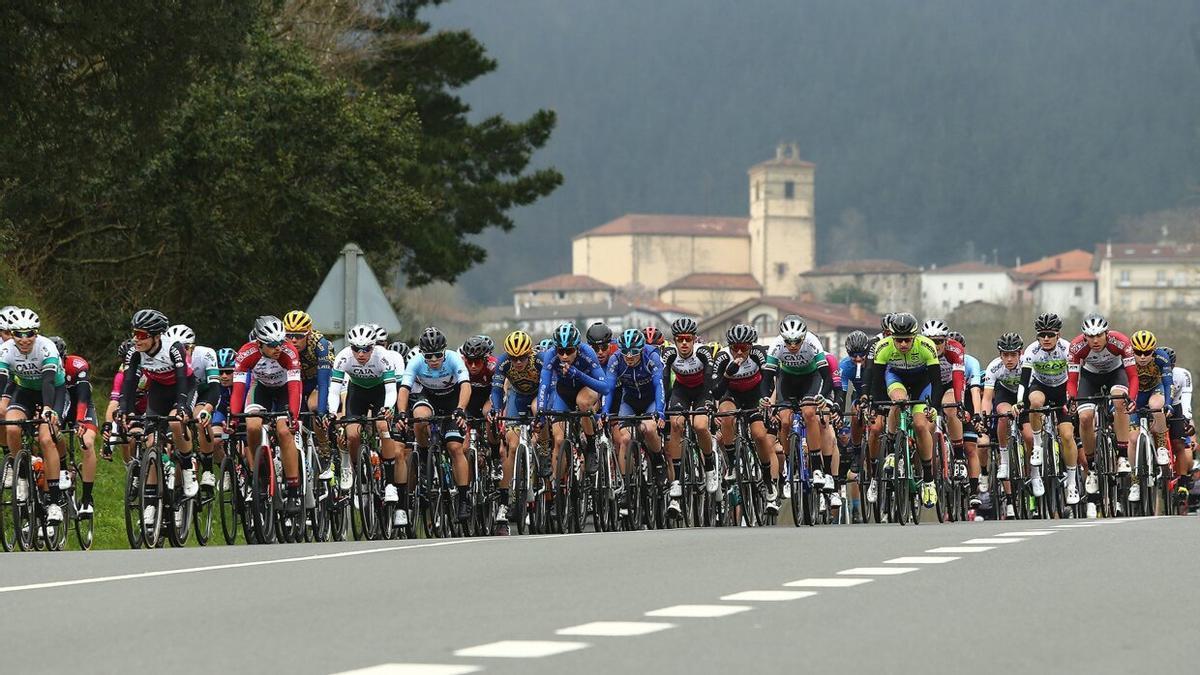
[(1089, 596)]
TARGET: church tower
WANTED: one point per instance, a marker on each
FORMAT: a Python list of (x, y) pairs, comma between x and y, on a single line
[(782, 237)]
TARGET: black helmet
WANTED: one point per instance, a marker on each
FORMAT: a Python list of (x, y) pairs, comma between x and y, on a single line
[(858, 343), (1047, 322), (1170, 355), (61, 345), (124, 349), (488, 342), (599, 334), (474, 348), (400, 348), (903, 324), (684, 326), (885, 322), (150, 320), (957, 337), (1010, 342), (433, 340), (741, 333)]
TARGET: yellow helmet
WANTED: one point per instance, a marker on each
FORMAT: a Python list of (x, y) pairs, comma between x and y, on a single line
[(297, 321), (1144, 341), (518, 344)]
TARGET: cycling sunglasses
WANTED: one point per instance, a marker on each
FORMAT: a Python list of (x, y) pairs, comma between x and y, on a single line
[(938, 341), (1144, 352), (631, 352), (434, 356), (24, 333), (140, 335), (269, 343), (295, 336), (793, 343), (898, 339), (568, 351), (858, 355), (362, 350), (1047, 334)]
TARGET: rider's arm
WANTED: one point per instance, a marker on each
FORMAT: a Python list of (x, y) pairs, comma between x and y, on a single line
[(936, 389), (129, 385), (179, 362), (334, 400), (498, 378), (1185, 395), (1168, 380), (611, 377), (1023, 390), (324, 352), (389, 390), (656, 367), (595, 378), (50, 385)]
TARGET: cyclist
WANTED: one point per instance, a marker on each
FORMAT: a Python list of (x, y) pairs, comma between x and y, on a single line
[(275, 366), (952, 361), (226, 358), (1155, 382), (638, 373), (521, 368), (1044, 383), (1102, 358), (739, 383), (654, 337), (545, 345), (440, 379), (316, 367), (114, 400), (796, 362), (876, 416), (572, 379), (31, 362), (82, 412), (1180, 423), (906, 366), (364, 369), (164, 362), (1001, 380), (687, 382), (206, 391), (853, 370)]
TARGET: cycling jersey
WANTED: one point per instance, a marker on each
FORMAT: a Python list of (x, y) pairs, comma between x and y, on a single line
[(1156, 375), (586, 371), (853, 375), (419, 376), (952, 368), (316, 367), (916, 368), (742, 378), (642, 383), (1116, 353), (205, 374), (1047, 367), (522, 379), (79, 390), (39, 370), (378, 370), (284, 370), (999, 374), (166, 367), (808, 359)]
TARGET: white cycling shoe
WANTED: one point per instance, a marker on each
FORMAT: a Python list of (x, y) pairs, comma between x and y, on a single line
[(347, 480), (1072, 493), (1091, 511), (835, 500), (401, 518), (1123, 465), (676, 490), (872, 492), (1036, 485), (711, 481), (1135, 493), (1091, 484), (207, 479), (1162, 457), (54, 514), (1035, 455), (1002, 472), (190, 486), (390, 494)]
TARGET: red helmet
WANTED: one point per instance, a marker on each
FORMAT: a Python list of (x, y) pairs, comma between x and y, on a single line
[(654, 336)]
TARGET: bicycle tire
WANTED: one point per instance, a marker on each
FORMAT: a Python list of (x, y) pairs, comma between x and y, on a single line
[(7, 537), (151, 465), (227, 500), (262, 495), (520, 489)]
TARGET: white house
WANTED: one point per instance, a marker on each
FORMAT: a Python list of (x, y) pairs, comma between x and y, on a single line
[(945, 288)]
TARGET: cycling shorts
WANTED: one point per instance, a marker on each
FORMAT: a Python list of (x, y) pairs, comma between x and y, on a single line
[(686, 398), (441, 405), (517, 404), (793, 388), (364, 401), (909, 381)]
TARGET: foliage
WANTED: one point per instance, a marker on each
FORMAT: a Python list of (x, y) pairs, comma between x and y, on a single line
[(848, 294)]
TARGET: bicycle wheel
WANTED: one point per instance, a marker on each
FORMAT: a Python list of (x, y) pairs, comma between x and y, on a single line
[(262, 492), (24, 493), (8, 537), (151, 468), (227, 499), (520, 490), (365, 517), (747, 488), (202, 514), (795, 488)]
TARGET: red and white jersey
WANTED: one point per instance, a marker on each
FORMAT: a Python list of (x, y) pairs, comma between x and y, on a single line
[(267, 372), (1117, 353)]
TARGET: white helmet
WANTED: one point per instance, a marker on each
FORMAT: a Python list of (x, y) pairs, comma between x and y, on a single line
[(5, 314), (362, 335), (23, 319), (792, 328), (935, 328), (268, 330), (1094, 324), (181, 334), (381, 334)]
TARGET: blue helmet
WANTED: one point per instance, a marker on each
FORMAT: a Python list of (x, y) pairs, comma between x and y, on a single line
[(225, 358), (631, 339), (566, 336), (545, 344)]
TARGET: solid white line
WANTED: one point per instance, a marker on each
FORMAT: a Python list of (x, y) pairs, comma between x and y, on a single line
[(827, 583), (878, 571), (767, 596), (1072, 525), (698, 611), (922, 560), (995, 540), (521, 649), (960, 549), (413, 669), (615, 628), (1029, 533), (230, 566)]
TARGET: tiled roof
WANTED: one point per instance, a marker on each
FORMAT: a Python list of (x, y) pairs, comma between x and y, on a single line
[(566, 282), (1069, 275), (696, 226), (1077, 259), (1146, 252), (970, 267), (725, 282), (840, 316), (866, 266)]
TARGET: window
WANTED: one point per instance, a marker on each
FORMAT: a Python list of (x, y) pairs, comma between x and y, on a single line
[(1124, 276), (757, 191), (1079, 291), (960, 285), (562, 295), (981, 285), (945, 285), (789, 189), (781, 269), (764, 324)]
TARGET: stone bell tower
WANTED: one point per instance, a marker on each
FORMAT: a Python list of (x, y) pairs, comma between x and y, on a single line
[(782, 236)]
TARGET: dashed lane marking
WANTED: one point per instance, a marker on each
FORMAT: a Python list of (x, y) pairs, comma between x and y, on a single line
[(922, 560), (698, 611), (994, 540), (827, 582), (1029, 533), (521, 649), (413, 669), (960, 549), (615, 628), (877, 571), (767, 596)]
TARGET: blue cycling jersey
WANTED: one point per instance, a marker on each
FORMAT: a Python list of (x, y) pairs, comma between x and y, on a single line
[(441, 380), (974, 372), (585, 371), (637, 383), (853, 374)]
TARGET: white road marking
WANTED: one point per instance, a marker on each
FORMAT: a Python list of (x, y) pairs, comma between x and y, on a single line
[(995, 540), (231, 566), (698, 611), (922, 560), (767, 596), (827, 582), (615, 628), (521, 649), (413, 669), (878, 571), (960, 549), (1029, 533), (1079, 525)]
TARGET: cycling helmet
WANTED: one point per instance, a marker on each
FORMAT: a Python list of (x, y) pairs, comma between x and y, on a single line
[(858, 343), (61, 345), (1094, 324), (400, 348), (4, 313), (362, 335), (903, 324), (1047, 322), (957, 337), (1170, 355), (268, 330), (599, 334), (653, 336), (433, 340), (150, 320), (226, 358), (474, 348), (518, 344), (684, 326), (1143, 341), (545, 344), (297, 321), (487, 340), (885, 323), (792, 328), (631, 339), (124, 349), (741, 334), (25, 319), (180, 333), (566, 336), (934, 328), (381, 334), (1010, 342)]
